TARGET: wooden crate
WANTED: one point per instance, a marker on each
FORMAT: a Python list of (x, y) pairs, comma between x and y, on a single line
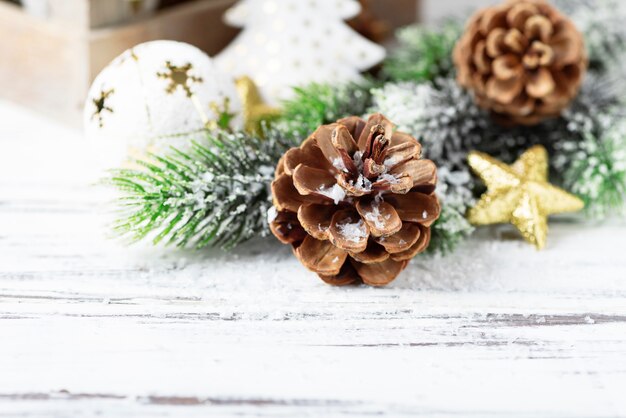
[(397, 13), (91, 13), (48, 65)]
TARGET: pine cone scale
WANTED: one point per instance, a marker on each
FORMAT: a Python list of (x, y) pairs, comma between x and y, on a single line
[(515, 41), (401, 152), (381, 218), (492, 19), (316, 219), (322, 257), (379, 274), (374, 253), (288, 197), (347, 275), (376, 125), (408, 235), (507, 67), (342, 141), (354, 124), (323, 139), (494, 44), (285, 227), (348, 232), (420, 245), (504, 91), (309, 155), (311, 181), (361, 213), (518, 14), (420, 172), (540, 84), (416, 207)]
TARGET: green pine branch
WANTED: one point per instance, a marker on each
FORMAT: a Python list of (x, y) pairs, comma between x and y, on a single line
[(423, 54), (451, 229), (215, 194), (319, 104), (597, 172)]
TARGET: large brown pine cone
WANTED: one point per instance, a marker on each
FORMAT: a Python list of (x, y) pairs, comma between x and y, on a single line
[(356, 201), (523, 59)]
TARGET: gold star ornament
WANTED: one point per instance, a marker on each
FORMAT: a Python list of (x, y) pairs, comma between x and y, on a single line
[(520, 194)]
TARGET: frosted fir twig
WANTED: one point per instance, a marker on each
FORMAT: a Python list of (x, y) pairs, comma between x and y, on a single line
[(215, 194), (320, 104), (423, 54), (597, 172), (602, 24)]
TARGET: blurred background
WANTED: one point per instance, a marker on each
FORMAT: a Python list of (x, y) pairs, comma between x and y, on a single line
[(52, 49), (435, 10)]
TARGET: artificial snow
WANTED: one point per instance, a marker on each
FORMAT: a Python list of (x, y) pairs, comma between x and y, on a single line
[(354, 232), (362, 184), (208, 177), (272, 214), (390, 178), (375, 216), (336, 193), (357, 158), (339, 164), (391, 161)]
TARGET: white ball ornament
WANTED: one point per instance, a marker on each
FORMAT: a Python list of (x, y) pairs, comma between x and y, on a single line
[(160, 94)]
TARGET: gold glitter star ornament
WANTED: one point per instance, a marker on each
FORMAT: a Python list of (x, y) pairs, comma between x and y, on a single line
[(519, 194)]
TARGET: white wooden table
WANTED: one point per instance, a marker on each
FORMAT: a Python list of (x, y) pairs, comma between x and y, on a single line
[(90, 327)]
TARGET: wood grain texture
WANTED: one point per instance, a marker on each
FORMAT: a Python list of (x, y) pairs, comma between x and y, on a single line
[(89, 327)]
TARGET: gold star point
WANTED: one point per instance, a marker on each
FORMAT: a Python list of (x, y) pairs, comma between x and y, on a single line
[(520, 194), (255, 110)]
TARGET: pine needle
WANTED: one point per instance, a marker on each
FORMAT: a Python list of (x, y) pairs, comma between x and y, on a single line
[(423, 54), (214, 194)]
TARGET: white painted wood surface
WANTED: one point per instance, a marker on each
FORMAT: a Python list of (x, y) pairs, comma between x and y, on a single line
[(89, 327)]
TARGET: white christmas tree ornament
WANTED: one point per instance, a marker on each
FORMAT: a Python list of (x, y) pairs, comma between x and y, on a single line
[(290, 43), (159, 94)]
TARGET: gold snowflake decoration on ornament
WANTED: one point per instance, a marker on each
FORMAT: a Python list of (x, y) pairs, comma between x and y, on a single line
[(101, 106), (179, 76)]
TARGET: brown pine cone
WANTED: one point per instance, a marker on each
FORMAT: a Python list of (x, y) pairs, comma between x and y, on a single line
[(523, 59), (356, 201)]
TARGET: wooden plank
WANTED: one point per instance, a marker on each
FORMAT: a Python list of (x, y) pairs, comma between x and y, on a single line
[(90, 327)]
